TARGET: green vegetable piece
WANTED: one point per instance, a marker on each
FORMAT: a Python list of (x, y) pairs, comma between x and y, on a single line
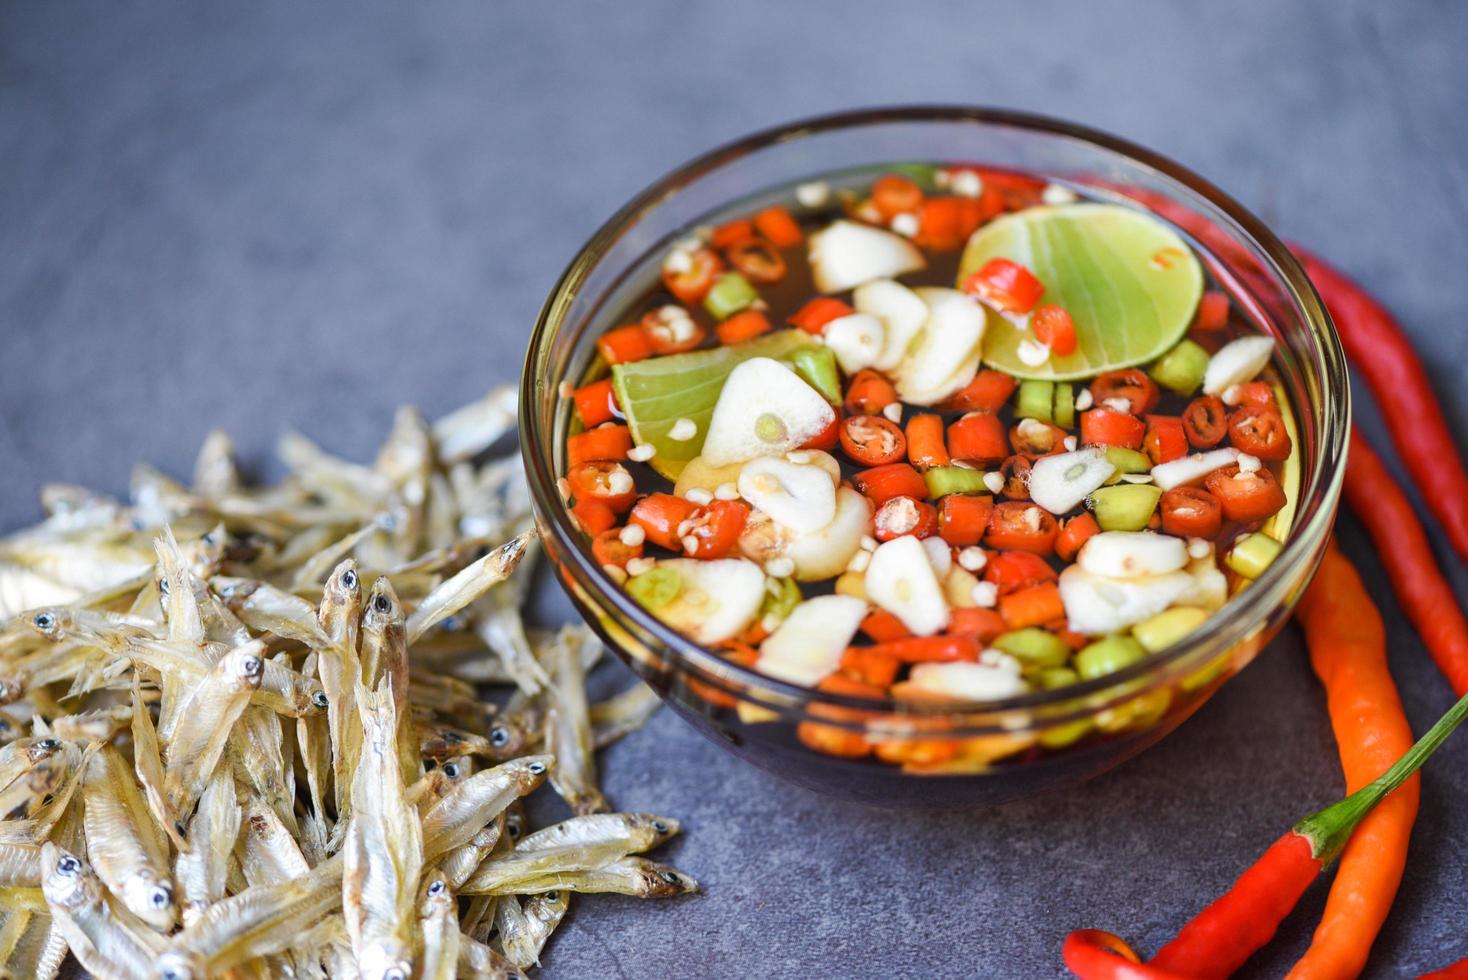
[(1065, 405), (730, 294), (781, 596), (1034, 647), (1054, 678), (817, 366), (1107, 656), (943, 480), (1126, 506), (1036, 400), (1169, 626), (1181, 369), (1252, 555), (1128, 460), (925, 175), (656, 587), (1067, 734)]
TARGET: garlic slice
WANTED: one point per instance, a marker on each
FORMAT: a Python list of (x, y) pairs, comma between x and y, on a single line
[(765, 409), (1132, 554), (1236, 362), (1191, 469), (901, 580), (901, 311), (847, 254), (798, 496), (807, 646), (1060, 483), (716, 599)]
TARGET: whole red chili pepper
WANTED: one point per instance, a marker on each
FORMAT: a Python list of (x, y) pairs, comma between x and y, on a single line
[(1427, 598), (1457, 971), (1225, 934), (1380, 350)]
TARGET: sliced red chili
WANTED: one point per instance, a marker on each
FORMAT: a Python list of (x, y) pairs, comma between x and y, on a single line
[(869, 393), (1011, 571), (1205, 422), (1105, 426), (978, 438), (1017, 526), (905, 515), (870, 440), (1250, 496), (1131, 385), (963, 518), (1259, 432), (1016, 473), (691, 285), (609, 549), (1190, 512), (987, 392), (661, 515), (714, 528), (1031, 437), (1005, 285), (604, 481), (881, 483), (1165, 440), (757, 259)]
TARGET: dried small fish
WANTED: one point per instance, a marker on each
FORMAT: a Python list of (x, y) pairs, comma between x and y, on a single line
[(226, 698), (438, 930), (568, 723), (125, 847), (206, 718), (622, 714), (74, 893), (384, 847), (525, 928), (468, 585)]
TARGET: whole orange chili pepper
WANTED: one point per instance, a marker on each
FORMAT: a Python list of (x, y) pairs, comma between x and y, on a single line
[(1427, 598), (1380, 350), (1348, 653)]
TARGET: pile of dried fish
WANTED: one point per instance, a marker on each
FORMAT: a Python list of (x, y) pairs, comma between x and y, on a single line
[(245, 732)]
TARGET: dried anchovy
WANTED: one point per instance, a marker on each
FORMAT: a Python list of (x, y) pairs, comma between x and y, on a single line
[(173, 663)]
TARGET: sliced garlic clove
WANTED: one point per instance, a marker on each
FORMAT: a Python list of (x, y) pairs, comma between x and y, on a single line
[(1210, 587), (901, 580), (847, 254), (765, 409), (1236, 362), (944, 356), (1096, 605), (824, 553), (940, 554), (716, 599), (1191, 469), (856, 340), (698, 474), (807, 646), (799, 497), (1061, 483), (901, 311), (1132, 554), (961, 681)]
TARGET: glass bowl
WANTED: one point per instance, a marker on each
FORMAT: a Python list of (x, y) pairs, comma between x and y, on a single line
[(1009, 748)]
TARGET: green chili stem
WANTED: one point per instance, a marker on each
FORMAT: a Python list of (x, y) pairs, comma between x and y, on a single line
[(1329, 830)]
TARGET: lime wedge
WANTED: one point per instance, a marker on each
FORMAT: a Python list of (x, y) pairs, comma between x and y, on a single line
[(657, 392), (1128, 281)]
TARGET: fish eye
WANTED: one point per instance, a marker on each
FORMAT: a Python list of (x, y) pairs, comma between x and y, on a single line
[(160, 897), (382, 603), (163, 586), (450, 624), (536, 768), (252, 666), (208, 538), (69, 865), (395, 973), (451, 770), (671, 878), (349, 579), (437, 888), (44, 621), (48, 744), (453, 738), (320, 700), (499, 736), (659, 827), (514, 830)]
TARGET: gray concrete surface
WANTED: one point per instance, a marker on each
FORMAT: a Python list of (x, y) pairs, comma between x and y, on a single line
[(301, 214)]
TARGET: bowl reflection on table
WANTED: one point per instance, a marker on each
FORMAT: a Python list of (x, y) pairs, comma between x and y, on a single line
[(1010, 748)]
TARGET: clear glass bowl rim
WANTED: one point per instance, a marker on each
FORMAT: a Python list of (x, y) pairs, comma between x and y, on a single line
[(1222, 630)]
